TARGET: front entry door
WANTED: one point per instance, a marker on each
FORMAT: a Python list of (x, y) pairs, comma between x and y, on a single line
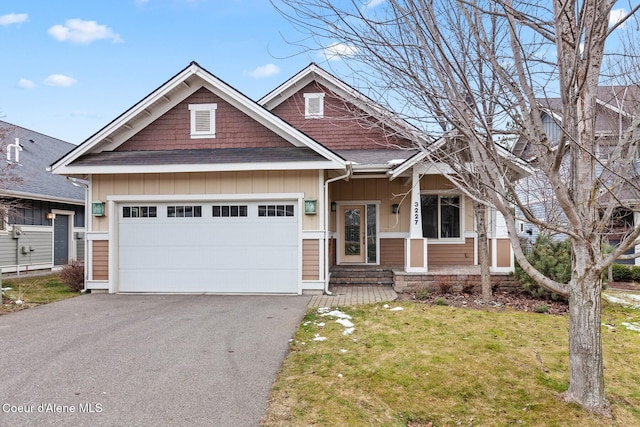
[(353, 248)]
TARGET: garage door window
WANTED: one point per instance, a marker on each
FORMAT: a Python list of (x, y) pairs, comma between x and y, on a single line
[(275, 210), (139, 211), (229, 210), (184, 211)]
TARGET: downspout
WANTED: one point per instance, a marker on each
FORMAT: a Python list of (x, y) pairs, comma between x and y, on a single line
[(326, 223), (80, 184)]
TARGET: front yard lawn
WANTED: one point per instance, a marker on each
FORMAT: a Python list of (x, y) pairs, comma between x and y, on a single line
[(416, 364), (31, 291)]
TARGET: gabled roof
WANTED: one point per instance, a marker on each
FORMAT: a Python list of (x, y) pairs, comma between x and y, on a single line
[(167, 96), (33, 180), (313, 72)]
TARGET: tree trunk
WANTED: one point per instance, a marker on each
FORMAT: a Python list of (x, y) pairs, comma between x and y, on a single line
[(586, 377), (483, 250)]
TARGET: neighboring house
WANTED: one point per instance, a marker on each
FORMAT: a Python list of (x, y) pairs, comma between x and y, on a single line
[(616, 106), (197, 188), (42, 222)]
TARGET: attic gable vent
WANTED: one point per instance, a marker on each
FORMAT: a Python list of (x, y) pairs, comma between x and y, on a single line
[(203, 120), (313, 105)]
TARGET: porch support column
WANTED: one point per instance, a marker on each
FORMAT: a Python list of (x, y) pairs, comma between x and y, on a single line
[(415, 245), (636, 249)]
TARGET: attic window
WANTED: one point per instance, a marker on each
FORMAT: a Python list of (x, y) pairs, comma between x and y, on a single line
[(203, 120), (313, 105)]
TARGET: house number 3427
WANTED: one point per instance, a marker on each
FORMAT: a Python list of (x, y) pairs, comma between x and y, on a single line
[(416, 213)]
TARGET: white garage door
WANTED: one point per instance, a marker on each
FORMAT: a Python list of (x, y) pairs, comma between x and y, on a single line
[(208, 247)]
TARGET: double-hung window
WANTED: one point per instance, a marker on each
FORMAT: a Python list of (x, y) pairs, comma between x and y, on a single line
[(441, 216)]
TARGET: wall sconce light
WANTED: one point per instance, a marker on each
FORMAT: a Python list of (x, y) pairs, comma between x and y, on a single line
[(51, 216), (395, 208), (97, 208), (334, 206), (310, 207)]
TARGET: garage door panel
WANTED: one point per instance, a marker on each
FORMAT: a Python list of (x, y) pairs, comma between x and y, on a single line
[(249, 254)]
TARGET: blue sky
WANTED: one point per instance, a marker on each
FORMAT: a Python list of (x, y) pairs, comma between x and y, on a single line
[(70, 67)]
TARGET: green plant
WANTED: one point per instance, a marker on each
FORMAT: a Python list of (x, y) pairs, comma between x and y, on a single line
[(441, 301), (621, 273), (553, 259), (422, 293), (72, 275), (635, 273), (541, 309)]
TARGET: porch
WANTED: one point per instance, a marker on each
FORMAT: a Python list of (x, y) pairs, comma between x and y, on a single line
[(439, 278)]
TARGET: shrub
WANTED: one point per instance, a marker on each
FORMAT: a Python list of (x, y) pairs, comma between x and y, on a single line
[(422, 293), (468, 287), (635, 273), (551, 258), (72, 275), (445, 287), (621, 273)]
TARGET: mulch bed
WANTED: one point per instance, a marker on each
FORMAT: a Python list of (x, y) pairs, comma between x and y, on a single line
[(507, 300), (501, 301)]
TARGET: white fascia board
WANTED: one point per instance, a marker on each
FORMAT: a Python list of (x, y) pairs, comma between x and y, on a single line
[(268, 119), (313, 72), (41, 197), (139, 108), (222, 167)]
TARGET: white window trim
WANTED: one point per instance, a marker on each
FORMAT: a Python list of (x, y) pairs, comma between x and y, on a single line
[(211, 108), (307, 98), (436, 240)]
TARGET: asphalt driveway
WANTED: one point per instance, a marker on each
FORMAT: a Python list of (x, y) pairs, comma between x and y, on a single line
[(144, 360)]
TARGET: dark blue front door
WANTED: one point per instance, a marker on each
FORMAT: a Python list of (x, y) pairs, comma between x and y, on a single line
[(61, 240)]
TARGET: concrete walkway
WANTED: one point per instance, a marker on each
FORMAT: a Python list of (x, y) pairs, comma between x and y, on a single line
[(353, 295)]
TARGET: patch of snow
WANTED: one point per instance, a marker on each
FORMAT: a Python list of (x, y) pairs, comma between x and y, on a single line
[(385, 306), (343, 351), (348, 331), (610, 327), (633, 297), (634, 326), (321, 324), (345, 322), (6, 289), (339, 375), (337, 313), (397, 309), (615, 300), (317, 337), (324, 309)]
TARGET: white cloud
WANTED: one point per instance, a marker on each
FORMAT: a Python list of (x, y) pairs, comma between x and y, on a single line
[(59, 80), (616, 16), (26, 84), (83, 32), (262, 71), (373, 3), (339, 50), (13, 18)]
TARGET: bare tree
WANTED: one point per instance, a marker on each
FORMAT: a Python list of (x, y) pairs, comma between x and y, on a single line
[(473, 72)]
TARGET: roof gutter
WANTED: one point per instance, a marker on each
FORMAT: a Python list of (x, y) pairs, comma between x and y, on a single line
[(326, 223)]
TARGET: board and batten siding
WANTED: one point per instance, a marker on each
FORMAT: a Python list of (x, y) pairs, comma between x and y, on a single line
[(310, 259), (213, 183)]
